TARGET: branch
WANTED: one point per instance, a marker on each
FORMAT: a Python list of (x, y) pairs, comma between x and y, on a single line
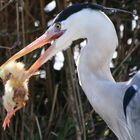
[(128, 55), (17, 43), (7, 4)]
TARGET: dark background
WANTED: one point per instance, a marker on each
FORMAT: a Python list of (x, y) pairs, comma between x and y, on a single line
[(58, 108)]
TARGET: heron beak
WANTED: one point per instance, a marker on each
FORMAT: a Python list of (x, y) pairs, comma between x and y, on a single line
[(49, 53), (38, 43)]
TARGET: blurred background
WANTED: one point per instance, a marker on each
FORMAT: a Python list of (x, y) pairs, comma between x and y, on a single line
[(57, 108)]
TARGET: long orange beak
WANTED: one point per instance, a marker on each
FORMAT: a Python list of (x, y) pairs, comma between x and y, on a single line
[(42, 40), (49, 53), (38, 43)]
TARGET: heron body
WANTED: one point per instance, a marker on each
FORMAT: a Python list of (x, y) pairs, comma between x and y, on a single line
[(104, 94), (117, 103)]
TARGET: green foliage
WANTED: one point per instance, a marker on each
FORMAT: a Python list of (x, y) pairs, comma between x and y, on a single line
[(66, 128)]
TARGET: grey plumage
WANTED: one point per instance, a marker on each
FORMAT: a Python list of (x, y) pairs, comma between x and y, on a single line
[(133, 110), (116, 102)]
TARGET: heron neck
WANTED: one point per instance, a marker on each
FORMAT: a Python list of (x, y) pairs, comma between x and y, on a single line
[(96, 58), (94, 71), (97, 54)]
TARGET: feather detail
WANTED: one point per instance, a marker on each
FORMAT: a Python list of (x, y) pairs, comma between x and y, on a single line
[(15, 82)]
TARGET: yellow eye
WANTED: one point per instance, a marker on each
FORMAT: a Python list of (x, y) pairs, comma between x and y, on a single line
[(58, 26)]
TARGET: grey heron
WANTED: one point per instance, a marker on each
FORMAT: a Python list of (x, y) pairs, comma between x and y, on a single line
[(116, 102)]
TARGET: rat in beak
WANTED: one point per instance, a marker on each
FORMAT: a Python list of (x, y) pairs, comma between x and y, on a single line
[(15, 77), (16, 89)]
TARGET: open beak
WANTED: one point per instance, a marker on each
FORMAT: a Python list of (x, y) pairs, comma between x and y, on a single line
[(38, 43)]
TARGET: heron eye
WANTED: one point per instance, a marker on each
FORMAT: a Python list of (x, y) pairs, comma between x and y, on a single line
[(58, 26)]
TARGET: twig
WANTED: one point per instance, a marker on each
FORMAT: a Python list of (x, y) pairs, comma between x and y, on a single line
[(52, 109), (16, 128), (23, 26), (89, 114), (4, 47), (17, 20), (131, 51), (42, 3), (29, 31), (128, 55), (17, 43), (22, 125), (81, 111), (73, 96), (7, 4), (39, 129)]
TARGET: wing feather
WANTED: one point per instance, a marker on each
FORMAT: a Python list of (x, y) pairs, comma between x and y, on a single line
[(133, 107)]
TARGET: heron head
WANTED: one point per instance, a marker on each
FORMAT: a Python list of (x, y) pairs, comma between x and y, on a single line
[(71, 24), (63, 31)]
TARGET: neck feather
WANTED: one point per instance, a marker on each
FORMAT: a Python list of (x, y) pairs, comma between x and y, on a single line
[(101, 44)]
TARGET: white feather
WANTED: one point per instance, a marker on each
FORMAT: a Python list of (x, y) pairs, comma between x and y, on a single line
[(8, 101)]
